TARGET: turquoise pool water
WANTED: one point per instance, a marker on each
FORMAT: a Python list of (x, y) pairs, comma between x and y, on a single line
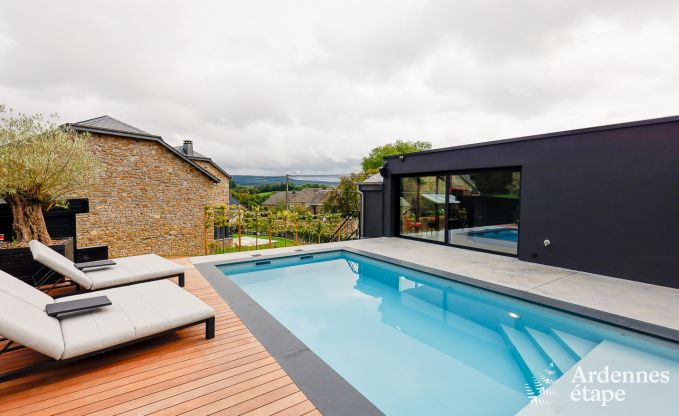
[(416, 344), (504, 234)]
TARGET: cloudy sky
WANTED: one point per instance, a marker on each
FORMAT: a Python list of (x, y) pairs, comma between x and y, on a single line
[(269, 87)]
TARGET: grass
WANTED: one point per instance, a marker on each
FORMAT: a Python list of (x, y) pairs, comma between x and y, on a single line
[(263, 244)]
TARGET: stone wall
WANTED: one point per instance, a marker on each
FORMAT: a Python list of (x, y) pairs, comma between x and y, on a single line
[(149, 201), (220, 191)]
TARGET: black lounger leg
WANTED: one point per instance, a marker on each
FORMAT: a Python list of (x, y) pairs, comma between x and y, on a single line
[(181, 279), (210, 328)]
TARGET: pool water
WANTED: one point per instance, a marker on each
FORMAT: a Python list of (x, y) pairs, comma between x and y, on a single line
[(504, 234), (416, 344)]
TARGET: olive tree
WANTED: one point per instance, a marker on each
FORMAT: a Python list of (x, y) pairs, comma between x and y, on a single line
[(41, 165)]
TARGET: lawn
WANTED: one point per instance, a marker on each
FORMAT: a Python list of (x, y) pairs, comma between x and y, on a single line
[(262, 244)]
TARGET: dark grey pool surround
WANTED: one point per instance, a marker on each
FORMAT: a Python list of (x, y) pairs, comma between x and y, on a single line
[(605, 197), (324, 387)]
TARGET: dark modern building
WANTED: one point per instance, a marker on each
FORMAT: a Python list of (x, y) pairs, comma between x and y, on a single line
[(602, 200)]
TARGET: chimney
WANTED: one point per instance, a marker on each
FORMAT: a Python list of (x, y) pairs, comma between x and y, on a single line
[(188, 147)]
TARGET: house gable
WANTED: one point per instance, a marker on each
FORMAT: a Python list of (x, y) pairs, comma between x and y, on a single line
[(116, 128)]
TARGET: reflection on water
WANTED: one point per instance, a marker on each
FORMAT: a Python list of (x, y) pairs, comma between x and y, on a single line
[(480, 319)]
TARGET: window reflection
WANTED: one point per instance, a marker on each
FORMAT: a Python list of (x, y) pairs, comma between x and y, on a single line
[(422, 207), (482, 209)]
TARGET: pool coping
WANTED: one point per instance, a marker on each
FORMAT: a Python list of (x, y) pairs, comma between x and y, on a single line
[(324, 387)]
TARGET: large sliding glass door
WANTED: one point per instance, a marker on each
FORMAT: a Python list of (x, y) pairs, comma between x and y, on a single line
[(422, 207), (475, 209)]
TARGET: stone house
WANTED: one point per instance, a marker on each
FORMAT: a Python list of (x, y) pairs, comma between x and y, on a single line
[(311, 199), (151, 196)]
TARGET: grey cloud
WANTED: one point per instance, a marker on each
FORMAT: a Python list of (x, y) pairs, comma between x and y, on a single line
[(273, 87)]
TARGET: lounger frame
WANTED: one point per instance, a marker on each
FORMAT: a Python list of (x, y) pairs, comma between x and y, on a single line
[(39, 281), (46, 365)]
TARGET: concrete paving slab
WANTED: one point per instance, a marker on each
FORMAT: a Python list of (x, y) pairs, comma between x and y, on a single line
[(655, 305)]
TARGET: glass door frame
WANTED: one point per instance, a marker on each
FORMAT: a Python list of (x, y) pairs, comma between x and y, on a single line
[(448, 174)]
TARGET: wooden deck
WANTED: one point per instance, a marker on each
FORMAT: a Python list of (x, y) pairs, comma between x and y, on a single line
[(182, 373)]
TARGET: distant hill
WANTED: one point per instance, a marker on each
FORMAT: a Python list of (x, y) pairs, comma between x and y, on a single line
[(253, 180)]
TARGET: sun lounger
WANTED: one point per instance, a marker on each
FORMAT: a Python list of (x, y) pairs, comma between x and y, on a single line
[(102, 275), (92, 323)]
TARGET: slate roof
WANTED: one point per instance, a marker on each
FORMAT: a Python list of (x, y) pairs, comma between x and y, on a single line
[(320, 197), (308, 196), (233, 200), (193, 155), (110, 124), (276, 198), (114, 127)]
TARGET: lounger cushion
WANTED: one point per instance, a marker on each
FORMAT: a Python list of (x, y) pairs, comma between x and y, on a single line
[(15, 287), (133, 270), (137, 311), (25, 324), (60, 264)]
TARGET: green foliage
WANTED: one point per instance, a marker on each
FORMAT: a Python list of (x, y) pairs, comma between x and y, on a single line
[(41, 165), (216, 248), (374, 160), (249, 200), (41, 162), (256, 195), (501, 183), (287, 227), (345, 199), (274, 187)]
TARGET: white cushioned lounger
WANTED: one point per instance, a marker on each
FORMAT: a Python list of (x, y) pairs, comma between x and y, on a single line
[(127, 270), (137, 312)]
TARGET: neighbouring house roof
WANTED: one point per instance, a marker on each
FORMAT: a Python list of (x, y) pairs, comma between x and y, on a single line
[(276, 198), (308, 196), (233, 200), (113, 127), (320, 197), (187, 150)]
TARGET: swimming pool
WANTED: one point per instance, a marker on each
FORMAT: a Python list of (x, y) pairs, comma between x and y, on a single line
[(413, 343), (504, 234)]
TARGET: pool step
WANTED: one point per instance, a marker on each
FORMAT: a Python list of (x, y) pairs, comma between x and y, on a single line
[(551, 348), (577, 346), (539, 372)]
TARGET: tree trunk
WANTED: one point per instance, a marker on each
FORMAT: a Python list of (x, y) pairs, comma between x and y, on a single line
[(28, 221)]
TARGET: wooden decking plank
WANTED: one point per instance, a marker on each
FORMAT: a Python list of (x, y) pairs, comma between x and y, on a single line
[(141, 392), (297, 410), (285, 402), (172, 374), (109, 365), (122, 387), (260, 401), (221, 398), (74, 391), (142, 349), (172, 397)]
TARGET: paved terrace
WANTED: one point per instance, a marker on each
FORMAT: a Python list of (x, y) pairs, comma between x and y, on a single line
[(643, 302), (233, 374), (184, 373)]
